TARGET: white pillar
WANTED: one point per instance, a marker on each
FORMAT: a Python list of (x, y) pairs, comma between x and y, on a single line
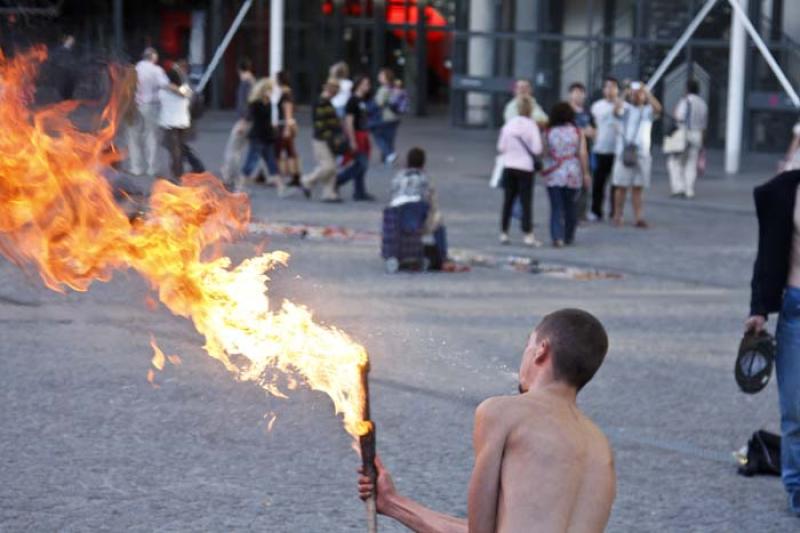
[(480, 58), (276, 20), (736, 84)]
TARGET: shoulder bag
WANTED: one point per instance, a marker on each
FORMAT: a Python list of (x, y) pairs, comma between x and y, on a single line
[(630, 152), (678, 139)]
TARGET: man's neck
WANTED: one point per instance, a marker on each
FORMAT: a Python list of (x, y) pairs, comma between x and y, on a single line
[(557, 389)]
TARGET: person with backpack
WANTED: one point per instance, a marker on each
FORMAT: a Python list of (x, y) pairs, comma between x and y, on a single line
[(518, 144), (566, 171), (633, 162)]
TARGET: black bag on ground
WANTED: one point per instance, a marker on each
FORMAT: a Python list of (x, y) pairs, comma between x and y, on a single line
[(763, 455)]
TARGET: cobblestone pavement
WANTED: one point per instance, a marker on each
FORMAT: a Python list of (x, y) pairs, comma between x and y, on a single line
[(86, 444)]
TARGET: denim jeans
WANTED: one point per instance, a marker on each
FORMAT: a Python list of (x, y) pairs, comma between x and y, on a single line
[(384, 135), (787, 372), (563, 213), (260, 149), (355, 172)]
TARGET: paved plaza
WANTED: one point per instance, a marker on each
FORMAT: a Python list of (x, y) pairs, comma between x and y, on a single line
[(87, 444)]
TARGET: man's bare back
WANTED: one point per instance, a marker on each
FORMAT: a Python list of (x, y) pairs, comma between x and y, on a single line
[(540, 464), (557, 471)]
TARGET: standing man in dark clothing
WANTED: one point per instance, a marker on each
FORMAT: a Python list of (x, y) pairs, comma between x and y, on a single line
[(237, 140), (327, 133), (605, 113), (585, 122), (355, 127), (776, 289)]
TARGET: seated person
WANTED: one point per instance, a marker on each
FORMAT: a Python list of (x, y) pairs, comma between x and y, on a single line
[(541, 465), (413, 185)]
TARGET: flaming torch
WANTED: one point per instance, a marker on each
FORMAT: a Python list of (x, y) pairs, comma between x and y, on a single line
[(366, 441), (58, 216)]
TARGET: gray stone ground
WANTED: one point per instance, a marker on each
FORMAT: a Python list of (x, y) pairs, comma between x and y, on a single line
[(88, 445)]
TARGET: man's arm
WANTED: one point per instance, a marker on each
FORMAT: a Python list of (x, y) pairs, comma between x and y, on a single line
[(657, 107), (489, 439), (411, 514)]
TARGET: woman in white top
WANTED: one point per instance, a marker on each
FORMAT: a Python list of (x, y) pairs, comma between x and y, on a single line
[(519, 141), (792, 160)]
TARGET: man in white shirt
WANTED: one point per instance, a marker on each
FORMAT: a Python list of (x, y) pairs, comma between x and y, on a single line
[(691, 114), (605, 144), (143, 133), (523, 89)]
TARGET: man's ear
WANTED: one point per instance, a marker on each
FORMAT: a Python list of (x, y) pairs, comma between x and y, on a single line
[(542, 354)]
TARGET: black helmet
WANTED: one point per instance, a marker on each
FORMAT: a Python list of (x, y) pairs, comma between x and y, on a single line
[(754, 362)]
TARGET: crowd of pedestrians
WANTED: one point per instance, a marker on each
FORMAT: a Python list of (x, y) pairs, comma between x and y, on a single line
[(592, 159)]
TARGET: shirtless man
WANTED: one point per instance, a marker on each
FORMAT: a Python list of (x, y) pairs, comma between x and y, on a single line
[(540, 464)]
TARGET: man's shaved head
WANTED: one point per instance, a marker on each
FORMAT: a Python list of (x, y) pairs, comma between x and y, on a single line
[(578, 345)]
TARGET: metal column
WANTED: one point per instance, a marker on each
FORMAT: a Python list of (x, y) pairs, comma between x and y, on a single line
[(216, 37), (422, 59), (276, 26), (119, 29), (736, 86)]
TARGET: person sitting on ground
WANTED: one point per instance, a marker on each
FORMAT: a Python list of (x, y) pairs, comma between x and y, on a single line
[(540, 463), (413, 185)]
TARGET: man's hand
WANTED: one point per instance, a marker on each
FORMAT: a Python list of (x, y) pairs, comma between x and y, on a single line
[(755, 324), (386, 489)]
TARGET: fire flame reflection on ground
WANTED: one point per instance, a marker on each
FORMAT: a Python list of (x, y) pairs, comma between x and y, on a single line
[(58, 216)]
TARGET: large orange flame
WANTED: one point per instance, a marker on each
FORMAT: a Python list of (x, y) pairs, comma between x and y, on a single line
[(58, 215)]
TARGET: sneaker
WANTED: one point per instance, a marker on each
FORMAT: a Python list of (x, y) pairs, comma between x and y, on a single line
[(689, 195), (558, 244), (390, 159), (364, 198), (504, 238), (591, 217), (530, 240), (642, 224)]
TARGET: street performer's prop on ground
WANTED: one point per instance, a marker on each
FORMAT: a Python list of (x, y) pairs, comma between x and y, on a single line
[(554, 465)]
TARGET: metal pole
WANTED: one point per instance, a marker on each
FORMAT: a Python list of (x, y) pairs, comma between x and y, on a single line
[(680, 43), (421, 59), (736, 82), (119, 28), (276, 14), (223, 45), (744, 21)]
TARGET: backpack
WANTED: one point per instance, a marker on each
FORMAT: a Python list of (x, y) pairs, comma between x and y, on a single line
[(399, 102), (763, 455)]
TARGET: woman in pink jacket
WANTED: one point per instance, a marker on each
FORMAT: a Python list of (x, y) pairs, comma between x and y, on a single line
[(519, 142)]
